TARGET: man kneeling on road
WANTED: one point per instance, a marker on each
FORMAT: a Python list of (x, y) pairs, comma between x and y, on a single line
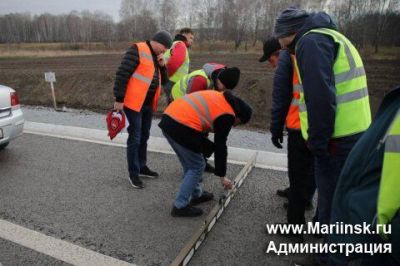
[(185, 123)]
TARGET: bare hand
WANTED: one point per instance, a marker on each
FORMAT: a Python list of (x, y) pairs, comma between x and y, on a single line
[(118, 106), (160, 59), (226, 183)]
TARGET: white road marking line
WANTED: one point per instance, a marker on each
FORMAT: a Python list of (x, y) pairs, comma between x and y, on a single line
[(265, 159), (56, 248)]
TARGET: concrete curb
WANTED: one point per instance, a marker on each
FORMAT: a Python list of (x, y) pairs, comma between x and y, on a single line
[(265, 159)]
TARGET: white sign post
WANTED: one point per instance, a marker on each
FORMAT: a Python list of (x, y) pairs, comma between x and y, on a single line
[(51, 77)]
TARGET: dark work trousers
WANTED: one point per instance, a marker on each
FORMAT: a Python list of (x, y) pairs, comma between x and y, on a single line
[(139, 133), (327, 170), (168, 90), (301, 176)]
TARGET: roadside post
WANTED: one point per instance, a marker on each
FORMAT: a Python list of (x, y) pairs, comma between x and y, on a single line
[(51, 78)]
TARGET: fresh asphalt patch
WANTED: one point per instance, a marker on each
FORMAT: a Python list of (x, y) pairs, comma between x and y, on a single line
[(79, 192)]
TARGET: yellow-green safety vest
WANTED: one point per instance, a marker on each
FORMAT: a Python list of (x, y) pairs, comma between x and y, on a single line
[(353, 113), (180, 88), (183, 69), (389, 196)]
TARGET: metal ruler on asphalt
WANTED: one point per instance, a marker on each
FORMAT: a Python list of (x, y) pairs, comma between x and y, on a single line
[(198, 237)]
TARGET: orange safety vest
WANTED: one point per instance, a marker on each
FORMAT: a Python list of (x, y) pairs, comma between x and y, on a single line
[(293, 118), (139, 83), (199, 110)]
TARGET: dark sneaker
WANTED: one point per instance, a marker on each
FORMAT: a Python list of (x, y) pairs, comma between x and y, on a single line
[(209, 168), (284, 193), (136, 182), (309, 206), (188, 211), (206, 196), (146, 172)]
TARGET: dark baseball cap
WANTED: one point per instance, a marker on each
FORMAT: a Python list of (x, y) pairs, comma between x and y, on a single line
[(271, 46)]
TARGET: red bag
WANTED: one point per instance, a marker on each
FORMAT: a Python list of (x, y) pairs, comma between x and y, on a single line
[(115, 123)]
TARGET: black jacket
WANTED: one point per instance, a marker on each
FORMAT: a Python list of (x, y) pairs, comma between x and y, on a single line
[(316, 54), (357, 189), (129, 63), (282, 93), (198, 142)]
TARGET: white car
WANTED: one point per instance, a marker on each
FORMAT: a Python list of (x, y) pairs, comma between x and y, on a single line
[(11, 117)]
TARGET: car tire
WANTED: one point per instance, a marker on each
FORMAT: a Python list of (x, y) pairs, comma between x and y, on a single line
[(4, 145)]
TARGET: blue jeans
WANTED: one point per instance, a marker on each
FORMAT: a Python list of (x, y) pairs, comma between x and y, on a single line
[(327, 170), (139, 133), (193, 165)]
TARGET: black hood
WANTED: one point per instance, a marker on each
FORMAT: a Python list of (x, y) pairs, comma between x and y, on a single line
[(314, 21)]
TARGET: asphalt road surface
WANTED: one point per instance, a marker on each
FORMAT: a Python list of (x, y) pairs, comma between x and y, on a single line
[(79, 192), (240, 238)]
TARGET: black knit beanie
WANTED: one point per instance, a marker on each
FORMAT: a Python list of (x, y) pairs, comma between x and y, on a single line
[(163, 37), (289, 22), (229, 77)]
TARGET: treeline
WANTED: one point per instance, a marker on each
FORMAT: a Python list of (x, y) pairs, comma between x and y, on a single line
[(366, 22)]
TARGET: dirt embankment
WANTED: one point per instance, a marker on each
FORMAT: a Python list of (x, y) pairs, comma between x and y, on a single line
[(87, 81)]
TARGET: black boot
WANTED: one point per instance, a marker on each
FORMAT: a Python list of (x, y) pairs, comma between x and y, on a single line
[(309, 205), (284, 193), (205, 196), (146, 172), (136, 182), (188, 211)]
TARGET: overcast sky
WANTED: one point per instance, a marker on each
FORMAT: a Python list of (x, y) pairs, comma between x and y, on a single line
[(56, 7)]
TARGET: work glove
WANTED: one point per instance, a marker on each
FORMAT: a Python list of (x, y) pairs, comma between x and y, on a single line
[(277, 140)]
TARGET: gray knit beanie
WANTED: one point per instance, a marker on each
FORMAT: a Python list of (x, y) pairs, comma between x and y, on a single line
[(163, 37), (289, 22)]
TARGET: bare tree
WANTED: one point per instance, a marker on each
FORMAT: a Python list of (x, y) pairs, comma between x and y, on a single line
[(168, 15), (243, 22)]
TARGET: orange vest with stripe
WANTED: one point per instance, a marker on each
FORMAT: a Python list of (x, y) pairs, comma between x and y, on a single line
[(139, 83), (199, 110), (293, 118)]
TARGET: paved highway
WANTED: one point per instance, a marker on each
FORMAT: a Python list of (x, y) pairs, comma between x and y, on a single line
[(77, 192)]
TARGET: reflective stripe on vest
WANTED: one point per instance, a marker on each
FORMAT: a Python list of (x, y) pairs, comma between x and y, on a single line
[(183, 69), (181, 88), (139, 83), (205, 117), (292, 118), (389, 196), (353, 114), (199, 110)]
